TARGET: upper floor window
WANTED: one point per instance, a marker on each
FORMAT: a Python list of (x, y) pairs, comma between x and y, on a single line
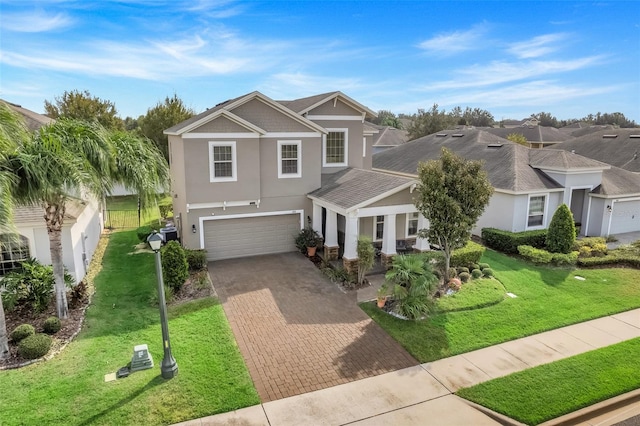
[(379, 227), (222, 162), (536, 210), (289, 159), (336, 144), (14, 249), (412, 224)]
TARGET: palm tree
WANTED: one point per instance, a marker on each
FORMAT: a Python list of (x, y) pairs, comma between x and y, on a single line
[(71, 158), (12, 132)]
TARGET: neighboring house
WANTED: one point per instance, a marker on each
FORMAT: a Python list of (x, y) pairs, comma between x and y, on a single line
[(250, 172), (526, 122), (618, 147), (80, 234), (531, 183), (580, 128), (385, 137), (537, 136)]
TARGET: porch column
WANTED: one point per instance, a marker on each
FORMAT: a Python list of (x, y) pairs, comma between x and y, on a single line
[(422, 244), (331, 247), (351, 237), (316, 221), (389, 235)]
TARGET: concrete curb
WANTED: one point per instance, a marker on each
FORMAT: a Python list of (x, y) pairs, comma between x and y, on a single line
[(595, 410), (498, 417)]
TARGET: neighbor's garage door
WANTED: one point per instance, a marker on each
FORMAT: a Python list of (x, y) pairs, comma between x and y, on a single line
[(229, 238), (626, 217)]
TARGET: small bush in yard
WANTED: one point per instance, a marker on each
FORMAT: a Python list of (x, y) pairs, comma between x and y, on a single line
[(34, 346), (78, 293), (561, 234), (535, 255), (464, 276), (599, 249), (474, 266), (476, 273), (22, 331), (482, 266), (508, 242), (470, 253), (197, 259), (585, 251), (143, 232), (51, 325), (452, 273), (175, 268), (487, 272), (462, 269)]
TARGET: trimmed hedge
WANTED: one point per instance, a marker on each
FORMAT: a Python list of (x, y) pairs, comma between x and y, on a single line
[(508, 242), (22, 332), (34, 346), (543, 256), (610, 259), (467, 255), (197, 259), (52, 325)]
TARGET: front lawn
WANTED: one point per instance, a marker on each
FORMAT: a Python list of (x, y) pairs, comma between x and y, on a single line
[(547, 298), (542, 393), (127, 205), (70, 389)]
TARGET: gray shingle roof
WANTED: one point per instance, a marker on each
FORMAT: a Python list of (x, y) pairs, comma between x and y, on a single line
[(506, 163), (299, 105), (556, 159), (617, 182), (621, 151), (33, 120), (536, 134), (388, 136), (35, 214), (351, 187), (203, 114)]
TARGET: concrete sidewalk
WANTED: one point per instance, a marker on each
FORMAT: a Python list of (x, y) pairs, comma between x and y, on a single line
[(422, 395)]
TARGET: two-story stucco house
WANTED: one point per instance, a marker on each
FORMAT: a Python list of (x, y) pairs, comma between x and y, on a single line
[(250, 172)]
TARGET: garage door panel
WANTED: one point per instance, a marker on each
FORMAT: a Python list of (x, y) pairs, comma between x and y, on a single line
[(240, 237), (626, 217)]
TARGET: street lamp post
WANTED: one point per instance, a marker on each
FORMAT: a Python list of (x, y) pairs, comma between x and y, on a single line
[(169, 367)]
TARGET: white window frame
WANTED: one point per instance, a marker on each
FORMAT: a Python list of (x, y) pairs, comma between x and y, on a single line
[(409, 219), (545, 203), (375, 228), (298, 174), (234, 162), (14, 249), (346, 148)]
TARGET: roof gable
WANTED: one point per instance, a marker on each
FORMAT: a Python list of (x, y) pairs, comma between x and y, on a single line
[(305, 105)]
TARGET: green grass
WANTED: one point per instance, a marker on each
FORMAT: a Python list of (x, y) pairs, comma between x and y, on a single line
[(548, 298), (475, 294), (552, 390), (70, 388), (148, 216)]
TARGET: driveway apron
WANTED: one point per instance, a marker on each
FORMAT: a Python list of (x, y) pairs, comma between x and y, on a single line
[(297, 331)]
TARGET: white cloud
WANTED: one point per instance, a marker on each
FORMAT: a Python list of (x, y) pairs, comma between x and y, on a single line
[(35, 22), (537, 46), (497, 72), (298, 84), (455, 42)]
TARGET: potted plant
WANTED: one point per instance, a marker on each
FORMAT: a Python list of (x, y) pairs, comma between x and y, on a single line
[(383, 291), (308, 239)]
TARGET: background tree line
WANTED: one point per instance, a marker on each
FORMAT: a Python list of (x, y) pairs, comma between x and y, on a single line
[(433, 120)]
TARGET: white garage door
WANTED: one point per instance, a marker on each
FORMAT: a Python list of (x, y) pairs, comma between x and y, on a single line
[(250, 236), (626, 217)]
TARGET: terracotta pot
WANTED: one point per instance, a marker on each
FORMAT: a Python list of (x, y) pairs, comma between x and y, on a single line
[(311, 251), (381, 302)]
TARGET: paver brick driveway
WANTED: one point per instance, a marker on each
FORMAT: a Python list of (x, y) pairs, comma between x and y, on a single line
[(296, 330)]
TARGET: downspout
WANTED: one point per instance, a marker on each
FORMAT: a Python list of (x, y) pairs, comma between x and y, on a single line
[(610, 217)]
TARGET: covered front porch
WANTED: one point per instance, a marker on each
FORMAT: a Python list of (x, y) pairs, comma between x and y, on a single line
[(357, 202)]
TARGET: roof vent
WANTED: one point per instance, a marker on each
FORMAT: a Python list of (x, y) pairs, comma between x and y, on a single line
[(457, 135), (609, 136), (634, 136), (494, 145), (441, 135)]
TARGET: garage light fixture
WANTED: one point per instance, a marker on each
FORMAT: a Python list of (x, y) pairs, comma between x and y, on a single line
[(193, 228)]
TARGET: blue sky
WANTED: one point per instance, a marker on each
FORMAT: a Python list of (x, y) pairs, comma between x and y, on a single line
[(569, 58)]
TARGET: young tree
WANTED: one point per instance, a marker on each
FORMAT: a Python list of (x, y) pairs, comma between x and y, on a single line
[(478, 117), (561, 234), (84, 106), (452, 194), (162, 116), (72, 158), (518, 138), (430, 121), (366, 257)]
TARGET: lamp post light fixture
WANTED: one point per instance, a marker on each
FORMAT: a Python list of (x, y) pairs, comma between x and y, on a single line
[(169, 367)]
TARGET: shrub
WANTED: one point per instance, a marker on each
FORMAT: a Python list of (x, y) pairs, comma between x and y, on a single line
[(22, 331), (143, 232), (470, 253), (413, 284), (476, 273), (464, 277), (34, 346), (534, 254), (32, 285), (462, 269), (52, 325), (197, 259), (588, 242), (585, 251), (613, 258), (561, 259), (175, 268), (487, 272), (562, 231), (482, 266), (474, 266), (508, 242), (78, 293), (599, 249), (154, 299), (452, 273)]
